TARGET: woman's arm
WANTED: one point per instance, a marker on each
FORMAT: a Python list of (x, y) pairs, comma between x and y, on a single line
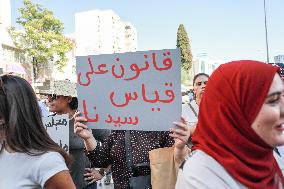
[(61, 180), (99, 156), (90, 144)]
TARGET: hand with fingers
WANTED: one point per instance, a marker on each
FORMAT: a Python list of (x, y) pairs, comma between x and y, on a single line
[(181, 133), (92, 176), (82, 130)]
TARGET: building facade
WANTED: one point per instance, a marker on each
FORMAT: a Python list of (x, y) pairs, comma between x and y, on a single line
[(96, 32), (203, 64), (130, 37), (12, 59), (279, 59), (103, 32), (5, 13)]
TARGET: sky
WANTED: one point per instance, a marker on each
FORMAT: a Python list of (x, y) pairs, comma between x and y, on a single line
[(223, 29)]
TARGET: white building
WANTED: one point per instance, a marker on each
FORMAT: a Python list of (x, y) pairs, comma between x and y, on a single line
[(202, 64), (102, 32), (97, 32), (12, 59), (130, 37), (279, 59), (5, 13)]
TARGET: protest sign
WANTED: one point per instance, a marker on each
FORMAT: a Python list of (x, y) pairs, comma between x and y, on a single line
[(130, 91), (58, 129)]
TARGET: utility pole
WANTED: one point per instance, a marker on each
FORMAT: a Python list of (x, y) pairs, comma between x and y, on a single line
[(266, 38)]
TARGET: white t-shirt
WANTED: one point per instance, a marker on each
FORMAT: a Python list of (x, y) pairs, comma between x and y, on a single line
[(22, 171), (201, 171), (188, 114)]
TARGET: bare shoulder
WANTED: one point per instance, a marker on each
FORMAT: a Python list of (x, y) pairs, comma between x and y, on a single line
[(61, 180)]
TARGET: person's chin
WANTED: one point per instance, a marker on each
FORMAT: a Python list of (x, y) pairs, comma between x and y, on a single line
[(279, 140), (52, 109)]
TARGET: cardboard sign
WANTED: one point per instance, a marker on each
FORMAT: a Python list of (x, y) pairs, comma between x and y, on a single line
[(130, 91), (58, 129)]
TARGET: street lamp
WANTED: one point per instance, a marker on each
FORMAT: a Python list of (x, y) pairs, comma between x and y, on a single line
[(265, 22)]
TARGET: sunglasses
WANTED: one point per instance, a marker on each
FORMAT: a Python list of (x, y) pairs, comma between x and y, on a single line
[(53, 97)]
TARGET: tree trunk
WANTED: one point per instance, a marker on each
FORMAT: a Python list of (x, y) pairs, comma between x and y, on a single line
[(35, 69)]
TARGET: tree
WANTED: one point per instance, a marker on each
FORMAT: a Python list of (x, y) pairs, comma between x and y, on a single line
[(42, 38), (183, 44), (185, 77)]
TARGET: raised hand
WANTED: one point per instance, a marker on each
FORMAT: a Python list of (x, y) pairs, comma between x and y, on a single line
[(181, 133), (80, 128)]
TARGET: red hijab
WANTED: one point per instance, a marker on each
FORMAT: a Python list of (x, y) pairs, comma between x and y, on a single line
[(233, 97)]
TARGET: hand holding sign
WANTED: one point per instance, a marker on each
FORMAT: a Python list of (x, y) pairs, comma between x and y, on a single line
[(80, 128), (180, 133), (130, 91)]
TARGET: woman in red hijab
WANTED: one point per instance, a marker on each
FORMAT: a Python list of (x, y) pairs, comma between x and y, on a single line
[(241, 120)]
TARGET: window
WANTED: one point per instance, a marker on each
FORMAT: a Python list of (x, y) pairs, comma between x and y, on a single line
[(73, 69), (12, 54)]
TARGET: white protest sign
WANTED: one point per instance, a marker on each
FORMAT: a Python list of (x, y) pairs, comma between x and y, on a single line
[(58, 129), (130, 91)]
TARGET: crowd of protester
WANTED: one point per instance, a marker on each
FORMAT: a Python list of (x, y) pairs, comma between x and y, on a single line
[(227, 136)]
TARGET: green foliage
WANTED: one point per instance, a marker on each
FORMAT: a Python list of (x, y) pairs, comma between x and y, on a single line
[(183, 44), (185, 77), (42, 38)]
